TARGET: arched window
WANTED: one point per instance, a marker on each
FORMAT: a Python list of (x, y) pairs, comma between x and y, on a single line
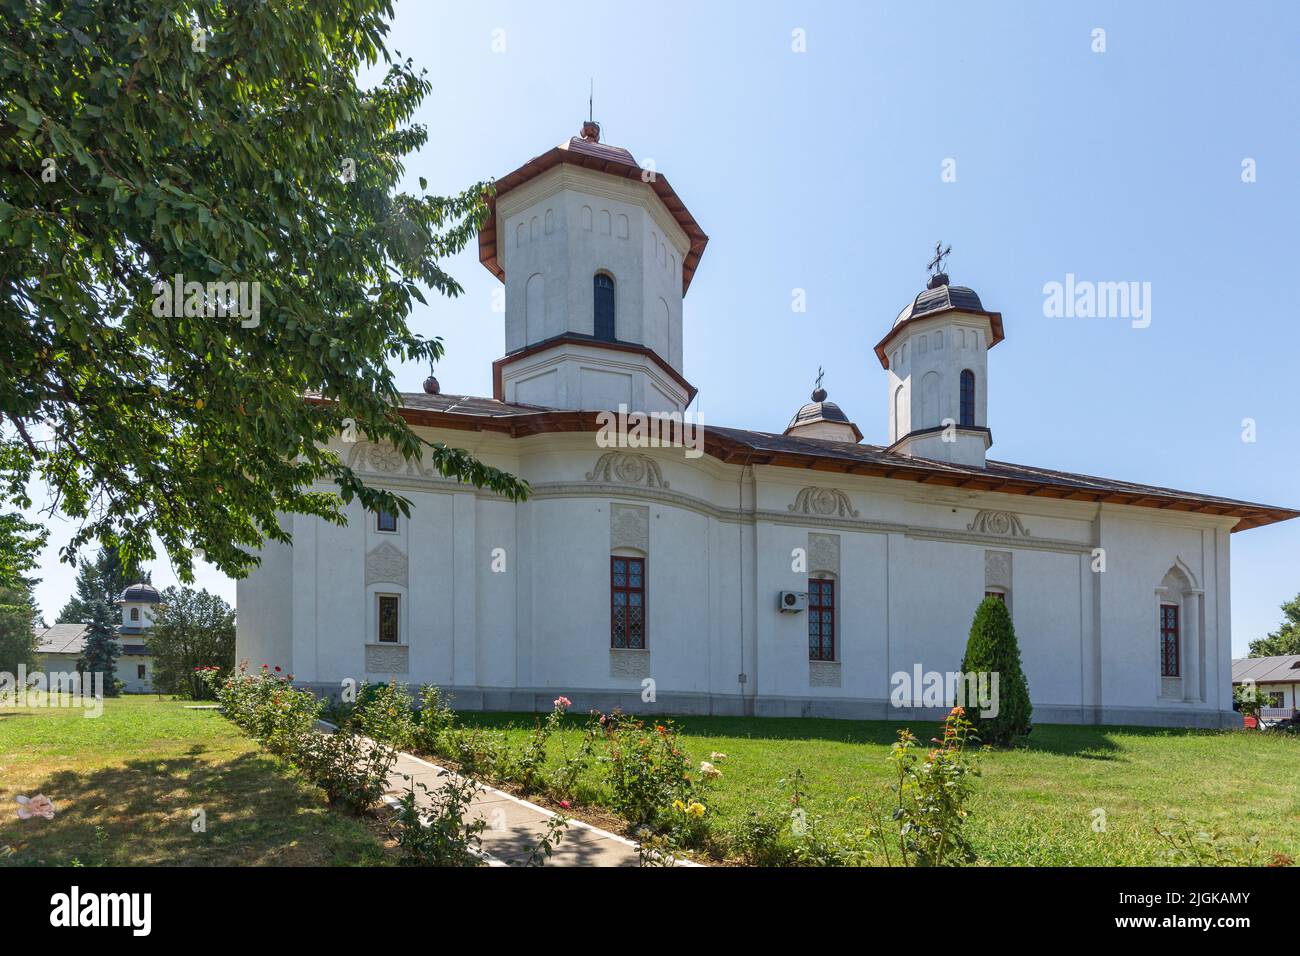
[(135, 614), (821, 619), (967, 397), (603, 294)]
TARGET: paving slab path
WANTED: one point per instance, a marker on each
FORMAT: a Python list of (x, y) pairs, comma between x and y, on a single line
[(514, 825)]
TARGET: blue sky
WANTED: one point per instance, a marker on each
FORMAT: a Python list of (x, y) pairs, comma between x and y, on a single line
[(821, 170)]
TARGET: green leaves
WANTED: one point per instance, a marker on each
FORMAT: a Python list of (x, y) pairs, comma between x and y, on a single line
[(218, 166)]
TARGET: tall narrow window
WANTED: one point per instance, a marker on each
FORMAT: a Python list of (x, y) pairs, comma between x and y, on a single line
[(821, 620), (386, 521), (135, 614), (140, 671), (967, 397), (1169, 640), (603, 293), (627, 602), (389, 609)]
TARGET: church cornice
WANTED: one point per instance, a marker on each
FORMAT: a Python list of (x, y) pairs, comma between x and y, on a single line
[(738, 447)]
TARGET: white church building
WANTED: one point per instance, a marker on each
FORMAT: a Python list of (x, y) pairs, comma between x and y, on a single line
[(781, 573)]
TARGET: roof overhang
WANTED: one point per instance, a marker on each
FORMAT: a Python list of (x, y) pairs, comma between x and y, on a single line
[(631, 348), (487, 235), (727, 445), (994, 318)]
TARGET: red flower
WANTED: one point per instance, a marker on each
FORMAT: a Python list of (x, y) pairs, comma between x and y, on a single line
[(277, 668), (564, 804)]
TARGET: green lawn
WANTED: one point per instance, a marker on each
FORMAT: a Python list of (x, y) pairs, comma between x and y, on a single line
[(125, 785), (1034, 805)]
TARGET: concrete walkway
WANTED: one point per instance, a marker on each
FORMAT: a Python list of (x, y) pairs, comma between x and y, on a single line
[(514, 825)]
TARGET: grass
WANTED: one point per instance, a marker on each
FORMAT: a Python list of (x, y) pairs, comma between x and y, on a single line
[(125, 785), (1034, 805)]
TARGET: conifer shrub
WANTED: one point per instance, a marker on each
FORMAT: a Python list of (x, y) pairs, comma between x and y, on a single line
[(992, 649)]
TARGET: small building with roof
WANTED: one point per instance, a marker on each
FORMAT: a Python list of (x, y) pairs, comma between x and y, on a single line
[(1278, 677), (60, 646)]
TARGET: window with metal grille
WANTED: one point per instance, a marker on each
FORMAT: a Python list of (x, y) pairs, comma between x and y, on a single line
[(389, 605), (627, 602), (821, 620), (996, 594), (603, 294), (967, 397), (1168, 640)]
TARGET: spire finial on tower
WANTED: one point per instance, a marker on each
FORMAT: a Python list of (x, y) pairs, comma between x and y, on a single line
[(819, 393), (590, 128), (938, 276)]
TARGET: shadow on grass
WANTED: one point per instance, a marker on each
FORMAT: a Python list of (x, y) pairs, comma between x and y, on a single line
[(142, 813), (1091, 742)]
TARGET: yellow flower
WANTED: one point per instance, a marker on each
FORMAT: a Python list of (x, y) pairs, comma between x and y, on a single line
[(695, 809), (679, 806)]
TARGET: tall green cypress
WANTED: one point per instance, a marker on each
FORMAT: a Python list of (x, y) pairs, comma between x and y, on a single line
[(100, 654), (992, 649)]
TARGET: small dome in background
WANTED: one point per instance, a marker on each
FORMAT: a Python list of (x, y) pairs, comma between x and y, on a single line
[(142, 592), (822, 419)]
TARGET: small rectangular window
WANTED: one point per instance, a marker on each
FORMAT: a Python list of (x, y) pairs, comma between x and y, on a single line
[(1276, 698), (821, 620), (388, 618), (627, 602), (1168, 640), (996, 594), (386, 521), (139, 671)]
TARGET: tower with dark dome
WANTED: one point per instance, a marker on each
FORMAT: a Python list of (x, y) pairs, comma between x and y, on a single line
[(138, 603), (936, 355)]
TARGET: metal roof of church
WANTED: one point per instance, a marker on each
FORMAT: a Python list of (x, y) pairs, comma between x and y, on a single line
[(935, 299), (743, 446)]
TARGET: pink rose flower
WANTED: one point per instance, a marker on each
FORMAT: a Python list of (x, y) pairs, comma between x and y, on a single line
[(37, 806), (563, 702), (565, 804)]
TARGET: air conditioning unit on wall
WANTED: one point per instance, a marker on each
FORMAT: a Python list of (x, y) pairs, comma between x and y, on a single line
[(792, 602)]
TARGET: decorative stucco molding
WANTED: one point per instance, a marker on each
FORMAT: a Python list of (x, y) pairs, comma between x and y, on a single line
[(385, 460), (387, 565), (998, 522), (629, 527), (823, 553), (629, 663), (997, 569), (824, 673), (628, 468), (387, 659), (823, 502)]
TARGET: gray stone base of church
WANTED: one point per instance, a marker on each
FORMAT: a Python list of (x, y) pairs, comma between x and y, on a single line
[(536, 700)]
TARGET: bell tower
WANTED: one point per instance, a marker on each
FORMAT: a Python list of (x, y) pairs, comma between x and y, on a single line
[(936, 355), (596, 254)]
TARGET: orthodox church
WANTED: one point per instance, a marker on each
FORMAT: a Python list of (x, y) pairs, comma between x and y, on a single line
[(781, 573)]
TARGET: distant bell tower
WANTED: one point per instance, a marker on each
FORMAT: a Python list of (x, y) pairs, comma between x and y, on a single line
[(936, 354), (596, 254)]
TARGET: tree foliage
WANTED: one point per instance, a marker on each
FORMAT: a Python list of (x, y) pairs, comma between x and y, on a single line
[(141, 140), (992, 649), (101, 651), (191, 629), (1286, 639), (20, 544)]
